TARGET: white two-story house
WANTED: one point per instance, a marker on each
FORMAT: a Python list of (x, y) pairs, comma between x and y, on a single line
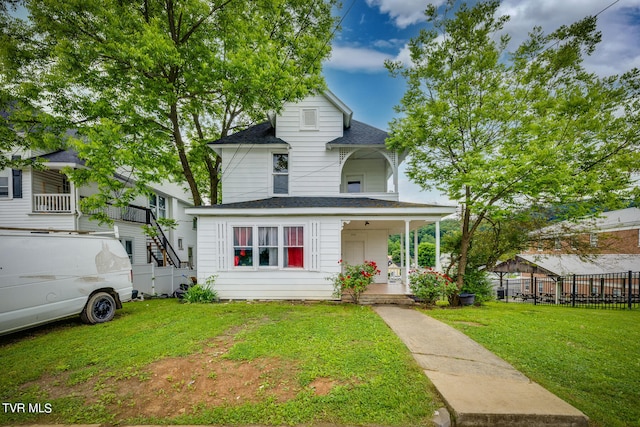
[(46, 199), (302, 191)]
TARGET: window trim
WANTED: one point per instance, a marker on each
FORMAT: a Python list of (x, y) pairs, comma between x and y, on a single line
[(303, 122), (255, 247), (354, 178), (274, 173), (7, 186)]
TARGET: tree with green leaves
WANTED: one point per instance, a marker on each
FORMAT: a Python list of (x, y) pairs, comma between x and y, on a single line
[(502, 132), (145, 84)]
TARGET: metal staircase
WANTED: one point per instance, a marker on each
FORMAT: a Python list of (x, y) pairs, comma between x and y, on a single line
[(159, 249)]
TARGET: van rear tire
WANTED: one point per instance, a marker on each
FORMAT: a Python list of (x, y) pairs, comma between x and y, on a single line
[(100, 308)]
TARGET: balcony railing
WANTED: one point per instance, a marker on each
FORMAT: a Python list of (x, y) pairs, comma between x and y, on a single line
[(53, 203), (392, 196)]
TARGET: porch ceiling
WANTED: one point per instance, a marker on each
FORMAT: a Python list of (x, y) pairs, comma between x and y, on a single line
[(394, 226)]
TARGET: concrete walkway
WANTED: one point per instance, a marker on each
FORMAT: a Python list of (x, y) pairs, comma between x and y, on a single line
[(479, 388)]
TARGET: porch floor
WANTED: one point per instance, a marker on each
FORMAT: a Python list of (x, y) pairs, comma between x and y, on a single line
[(392, 288)]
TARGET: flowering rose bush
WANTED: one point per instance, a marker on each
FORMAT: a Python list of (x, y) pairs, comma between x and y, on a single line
[(354, 279), (430, 286)]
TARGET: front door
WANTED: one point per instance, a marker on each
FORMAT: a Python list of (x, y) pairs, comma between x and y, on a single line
[(353, 252)]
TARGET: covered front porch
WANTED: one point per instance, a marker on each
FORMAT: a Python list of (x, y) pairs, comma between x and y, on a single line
[(365, 239)]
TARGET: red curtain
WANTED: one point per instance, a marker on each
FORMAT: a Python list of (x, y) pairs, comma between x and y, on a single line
[(295, 257)]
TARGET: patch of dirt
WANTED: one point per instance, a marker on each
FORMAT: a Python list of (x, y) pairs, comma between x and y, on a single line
[(322, 386), (470, 323), (179, 385)]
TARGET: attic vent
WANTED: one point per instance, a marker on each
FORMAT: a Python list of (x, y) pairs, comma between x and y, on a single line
[(309, 119)]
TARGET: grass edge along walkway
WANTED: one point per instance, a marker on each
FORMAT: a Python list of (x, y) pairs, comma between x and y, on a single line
[(587, 357)]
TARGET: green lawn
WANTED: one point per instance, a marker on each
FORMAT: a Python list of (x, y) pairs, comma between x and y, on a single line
[(315, 363), (588, 357)]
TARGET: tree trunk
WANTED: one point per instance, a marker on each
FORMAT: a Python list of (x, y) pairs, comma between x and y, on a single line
[(186, 167), (464, 246)]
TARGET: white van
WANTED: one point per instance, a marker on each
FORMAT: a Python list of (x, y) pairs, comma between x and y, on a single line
[(45, 276)]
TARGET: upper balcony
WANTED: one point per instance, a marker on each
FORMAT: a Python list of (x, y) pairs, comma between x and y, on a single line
[(368, 172)]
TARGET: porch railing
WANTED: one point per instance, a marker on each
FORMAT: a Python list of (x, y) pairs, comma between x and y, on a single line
[(57, 203)]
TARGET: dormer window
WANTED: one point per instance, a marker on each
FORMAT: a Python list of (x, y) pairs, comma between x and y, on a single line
[(309, 119), (280, 173)]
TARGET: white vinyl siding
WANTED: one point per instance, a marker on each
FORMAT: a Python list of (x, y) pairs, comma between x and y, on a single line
[(246, 174), (309, 282), (371, 173)]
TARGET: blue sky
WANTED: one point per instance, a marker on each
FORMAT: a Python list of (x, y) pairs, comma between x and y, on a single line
[(374, 30)]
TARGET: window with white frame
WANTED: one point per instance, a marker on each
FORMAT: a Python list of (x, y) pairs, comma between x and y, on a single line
[(293, 247), (280, 173), (158, 205), (354, 184), (275, 246), (4, 187), (268, 246), (128, 247), (243, 246), (593, 240)]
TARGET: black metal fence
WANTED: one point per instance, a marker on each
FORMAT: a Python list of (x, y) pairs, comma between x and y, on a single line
[(615, 290)]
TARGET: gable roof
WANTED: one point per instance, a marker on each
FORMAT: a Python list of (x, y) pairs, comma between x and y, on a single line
[(347, 113), (360, 134), (319, 202), (262, 133), (620, 219), (62, 156), (322, 205)]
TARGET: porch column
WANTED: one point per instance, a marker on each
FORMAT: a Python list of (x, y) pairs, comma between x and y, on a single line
[(395, 178), (407, 252), (415, 248), (438, 265), (401, 254)]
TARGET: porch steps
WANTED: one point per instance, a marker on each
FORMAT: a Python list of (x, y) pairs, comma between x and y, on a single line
[(386, 299)]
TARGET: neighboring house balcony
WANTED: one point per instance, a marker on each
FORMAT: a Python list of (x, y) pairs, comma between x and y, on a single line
[(53, 203), (52, 192), (159, 249)]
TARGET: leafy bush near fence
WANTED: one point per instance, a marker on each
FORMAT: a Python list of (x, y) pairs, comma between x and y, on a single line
[(477, 282), (201, 294)]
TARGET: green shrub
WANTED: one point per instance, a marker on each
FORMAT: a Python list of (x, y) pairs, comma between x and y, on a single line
[(477, 282), (430, 286), (354, 280), (201, 294)]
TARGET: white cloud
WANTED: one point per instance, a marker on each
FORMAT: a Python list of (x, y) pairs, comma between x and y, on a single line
[(402, 12), (618, 50), (357, 59)]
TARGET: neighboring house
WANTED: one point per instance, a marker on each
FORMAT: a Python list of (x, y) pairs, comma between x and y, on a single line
[(301, 192), (604, 245), (46, 199), (613, 232)]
